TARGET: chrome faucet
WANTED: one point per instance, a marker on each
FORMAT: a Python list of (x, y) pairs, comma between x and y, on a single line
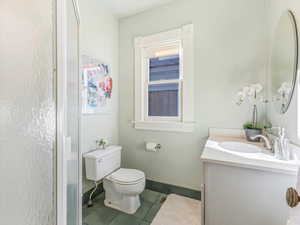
[(266, 140)]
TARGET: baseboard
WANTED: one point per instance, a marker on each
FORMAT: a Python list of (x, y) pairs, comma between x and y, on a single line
[(86, 195), (154, 186), (172, 189)]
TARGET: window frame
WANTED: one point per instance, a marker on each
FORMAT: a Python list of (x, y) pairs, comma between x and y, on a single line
[(182, 39)]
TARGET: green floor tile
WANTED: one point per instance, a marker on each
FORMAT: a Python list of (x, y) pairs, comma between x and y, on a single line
[(100, 216), (143, 210), (86, 212), (161, 198), (152, 213), (150, 196), (99, 201), (124, 219), (144, 223)]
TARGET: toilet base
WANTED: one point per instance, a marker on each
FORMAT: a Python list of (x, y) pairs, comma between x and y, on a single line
[(124, 197), (125, 203)]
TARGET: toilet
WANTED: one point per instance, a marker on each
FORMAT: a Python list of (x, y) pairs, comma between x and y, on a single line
[(122, 186)]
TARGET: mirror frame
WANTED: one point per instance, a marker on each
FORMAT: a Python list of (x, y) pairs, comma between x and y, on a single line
[(285, 108)]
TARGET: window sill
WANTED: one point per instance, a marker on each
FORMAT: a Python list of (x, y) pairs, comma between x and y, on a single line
[(165, 126)]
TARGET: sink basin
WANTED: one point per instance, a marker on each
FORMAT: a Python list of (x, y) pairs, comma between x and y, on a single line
[(240, 147)]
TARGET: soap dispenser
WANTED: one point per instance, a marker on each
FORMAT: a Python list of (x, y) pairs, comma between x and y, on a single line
[(277, 149), (283, 142)]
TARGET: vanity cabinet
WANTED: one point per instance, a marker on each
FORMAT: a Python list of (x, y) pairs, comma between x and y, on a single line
[(244, 195)]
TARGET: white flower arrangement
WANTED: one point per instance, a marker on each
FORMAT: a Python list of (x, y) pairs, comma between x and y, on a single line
[(283, 94), (250, 93), (285, 89), (253, 94)]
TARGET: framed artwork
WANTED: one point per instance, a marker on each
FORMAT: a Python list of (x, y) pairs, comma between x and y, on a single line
[(97, 86)]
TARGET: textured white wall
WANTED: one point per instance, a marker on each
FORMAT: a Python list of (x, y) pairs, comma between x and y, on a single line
[(230, 52), (27, 113), (289, 120), (99, 39)]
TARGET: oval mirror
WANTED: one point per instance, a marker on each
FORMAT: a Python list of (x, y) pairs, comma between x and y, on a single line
[(284, 62)]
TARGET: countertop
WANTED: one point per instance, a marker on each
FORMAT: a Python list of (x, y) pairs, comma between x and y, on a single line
[(264, 160)]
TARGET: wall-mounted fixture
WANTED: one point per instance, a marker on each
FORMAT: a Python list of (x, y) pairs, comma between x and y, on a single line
[(152, 147)]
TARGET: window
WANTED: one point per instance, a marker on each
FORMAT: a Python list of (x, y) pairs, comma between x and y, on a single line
[(164, 81), (164, 86)]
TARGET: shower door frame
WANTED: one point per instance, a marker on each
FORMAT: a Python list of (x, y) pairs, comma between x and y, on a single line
[(60, 38)]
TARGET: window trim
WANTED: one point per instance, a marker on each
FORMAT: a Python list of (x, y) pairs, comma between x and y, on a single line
[(182, 37)]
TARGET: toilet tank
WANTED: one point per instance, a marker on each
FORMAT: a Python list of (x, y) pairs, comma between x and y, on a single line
[(100, 163)]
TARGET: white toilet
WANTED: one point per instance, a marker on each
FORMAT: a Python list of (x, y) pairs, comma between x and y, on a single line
[(122, 186)]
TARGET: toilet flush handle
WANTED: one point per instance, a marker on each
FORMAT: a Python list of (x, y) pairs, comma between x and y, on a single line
[(292, 197)]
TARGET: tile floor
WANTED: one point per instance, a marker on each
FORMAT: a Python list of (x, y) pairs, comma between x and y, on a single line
[(102, 215)]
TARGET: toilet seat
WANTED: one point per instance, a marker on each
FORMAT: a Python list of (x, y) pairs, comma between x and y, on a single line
[(127, 176)]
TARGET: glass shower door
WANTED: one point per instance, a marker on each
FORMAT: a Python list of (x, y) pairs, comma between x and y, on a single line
[(72, 115)]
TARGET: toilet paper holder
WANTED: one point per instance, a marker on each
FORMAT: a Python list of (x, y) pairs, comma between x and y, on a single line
[(158, 147), (292, 197), (153, 147)]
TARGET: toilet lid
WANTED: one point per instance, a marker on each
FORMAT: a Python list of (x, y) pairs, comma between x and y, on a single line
[(127, 176)]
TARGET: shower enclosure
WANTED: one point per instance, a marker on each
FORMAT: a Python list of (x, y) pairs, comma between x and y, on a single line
[(68, 107), (27, 113), (39, 113)]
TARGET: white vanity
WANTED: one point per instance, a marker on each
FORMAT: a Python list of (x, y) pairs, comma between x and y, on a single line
[(243, 183)]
